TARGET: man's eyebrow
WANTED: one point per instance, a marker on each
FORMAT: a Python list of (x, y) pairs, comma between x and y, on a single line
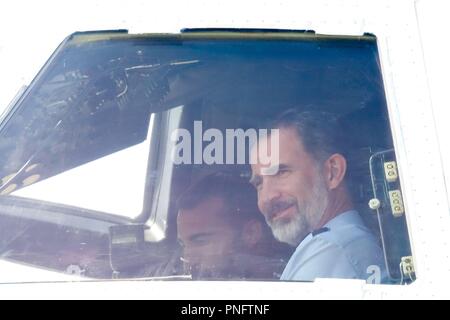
[(199, 235)]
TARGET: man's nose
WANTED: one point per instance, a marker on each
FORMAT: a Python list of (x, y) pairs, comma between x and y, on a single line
[(268, 193)]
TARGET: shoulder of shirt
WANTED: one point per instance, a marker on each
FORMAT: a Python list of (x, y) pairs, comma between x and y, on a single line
[(318, 250), (345, 234), (349, 238)]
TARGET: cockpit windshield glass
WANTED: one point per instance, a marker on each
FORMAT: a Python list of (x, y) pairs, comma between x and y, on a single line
[(205, 156)]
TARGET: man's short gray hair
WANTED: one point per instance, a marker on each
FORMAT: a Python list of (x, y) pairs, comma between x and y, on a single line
[(320, 132)]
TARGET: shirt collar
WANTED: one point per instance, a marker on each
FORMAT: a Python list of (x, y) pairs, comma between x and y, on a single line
[(348, 217)]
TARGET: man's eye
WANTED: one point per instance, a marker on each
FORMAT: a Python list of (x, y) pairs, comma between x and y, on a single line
[(283, 172)]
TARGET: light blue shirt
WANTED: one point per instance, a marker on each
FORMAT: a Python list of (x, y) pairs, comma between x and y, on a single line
[(344, 249)]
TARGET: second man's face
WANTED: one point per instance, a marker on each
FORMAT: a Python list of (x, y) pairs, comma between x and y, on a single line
[(294, 199), (209, 241)]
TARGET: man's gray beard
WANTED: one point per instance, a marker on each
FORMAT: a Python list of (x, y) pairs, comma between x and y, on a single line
[(294, 231)]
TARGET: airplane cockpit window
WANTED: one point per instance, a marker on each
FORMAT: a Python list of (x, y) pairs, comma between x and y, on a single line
[(207, 155)]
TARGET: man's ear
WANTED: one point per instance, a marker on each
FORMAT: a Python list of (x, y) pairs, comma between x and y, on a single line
[(335, 169), (252, 233)]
